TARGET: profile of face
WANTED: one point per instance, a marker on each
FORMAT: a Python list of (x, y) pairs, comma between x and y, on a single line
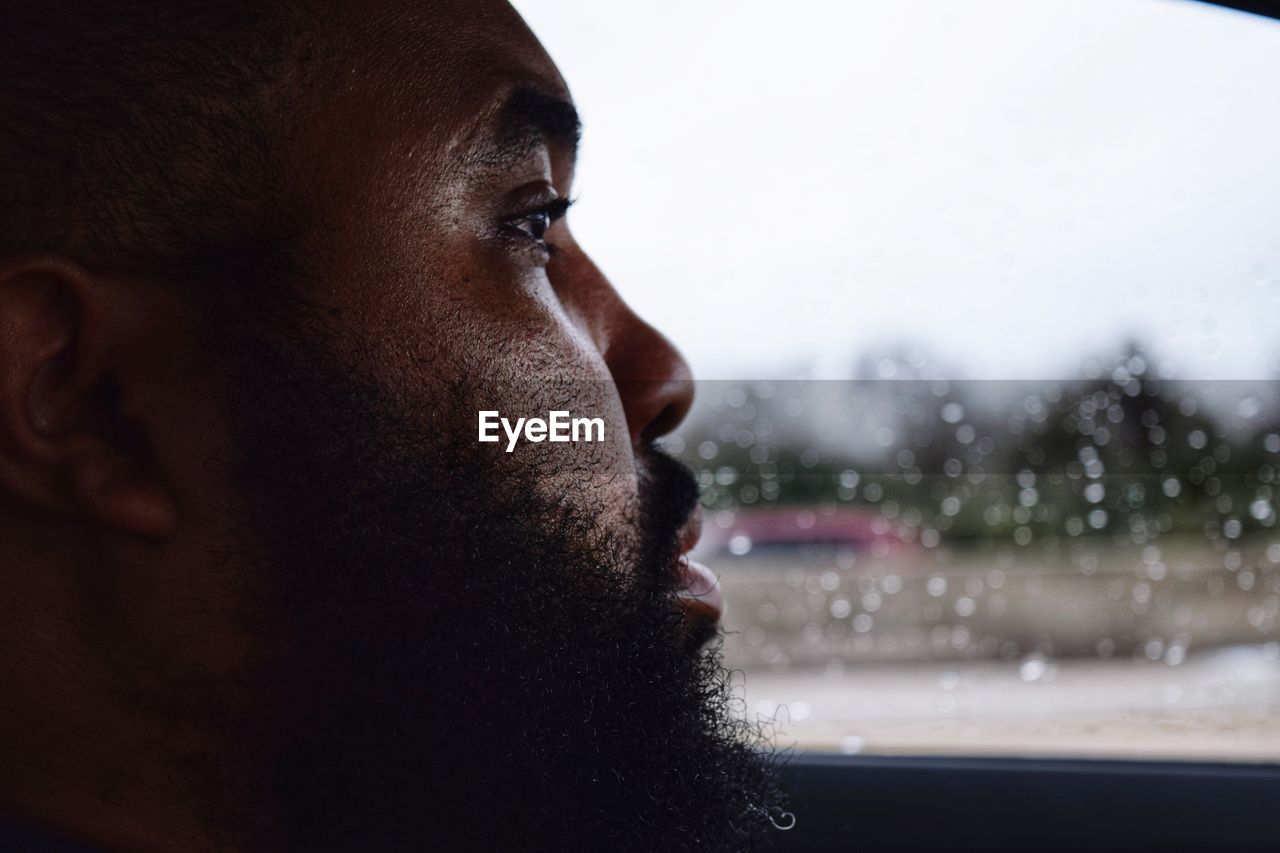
[(263, 586)]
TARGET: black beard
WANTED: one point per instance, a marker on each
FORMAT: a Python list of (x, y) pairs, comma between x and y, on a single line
[(461, 666)]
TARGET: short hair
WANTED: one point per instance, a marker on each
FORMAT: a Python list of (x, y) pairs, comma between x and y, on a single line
[(146, 136)]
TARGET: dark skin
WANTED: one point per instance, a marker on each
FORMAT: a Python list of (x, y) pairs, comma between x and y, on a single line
[(433, 196)]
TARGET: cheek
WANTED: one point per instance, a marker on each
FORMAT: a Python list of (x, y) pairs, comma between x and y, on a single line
[(554, 366), (513, 349)]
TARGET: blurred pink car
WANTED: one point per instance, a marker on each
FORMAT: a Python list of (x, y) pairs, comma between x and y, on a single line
[(743, 531)]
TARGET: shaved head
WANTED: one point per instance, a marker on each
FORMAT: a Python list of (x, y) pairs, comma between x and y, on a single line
[(148, 136)]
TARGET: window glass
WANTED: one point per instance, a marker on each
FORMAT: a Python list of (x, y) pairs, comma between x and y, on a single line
[(983, 296)]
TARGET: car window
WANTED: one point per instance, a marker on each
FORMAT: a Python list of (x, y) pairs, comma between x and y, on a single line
[(983, 299)]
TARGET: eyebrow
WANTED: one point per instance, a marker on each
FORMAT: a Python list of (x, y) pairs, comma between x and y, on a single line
[(530, 116)]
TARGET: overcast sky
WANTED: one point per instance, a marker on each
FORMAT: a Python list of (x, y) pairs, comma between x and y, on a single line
[(1011, 185)]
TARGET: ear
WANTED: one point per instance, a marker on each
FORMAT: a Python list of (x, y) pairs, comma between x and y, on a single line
[(68, 442)]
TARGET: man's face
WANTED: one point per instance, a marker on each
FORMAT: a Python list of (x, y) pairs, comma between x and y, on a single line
[(457, 642), (442, 164)]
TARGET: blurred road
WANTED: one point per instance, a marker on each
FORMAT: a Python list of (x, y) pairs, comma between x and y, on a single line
[(1222, 705), (1099, 649)]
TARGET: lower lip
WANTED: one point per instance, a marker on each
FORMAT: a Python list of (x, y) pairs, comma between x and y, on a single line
[(700, 590)]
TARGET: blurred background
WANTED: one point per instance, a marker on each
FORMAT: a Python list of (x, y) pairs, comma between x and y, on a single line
[(983, 297)]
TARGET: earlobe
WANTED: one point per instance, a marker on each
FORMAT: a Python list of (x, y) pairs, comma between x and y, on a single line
[(106, 489), (68, 444)]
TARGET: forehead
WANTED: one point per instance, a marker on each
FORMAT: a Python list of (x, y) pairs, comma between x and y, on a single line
[(397, 152), (407, 98), (440, 72)]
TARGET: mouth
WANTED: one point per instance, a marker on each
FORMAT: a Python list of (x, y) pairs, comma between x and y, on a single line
[(698, 588)]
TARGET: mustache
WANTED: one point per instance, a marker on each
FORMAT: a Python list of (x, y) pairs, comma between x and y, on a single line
[(669, 494)]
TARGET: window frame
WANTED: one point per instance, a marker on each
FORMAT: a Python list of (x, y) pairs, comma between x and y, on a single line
[(910, 803)]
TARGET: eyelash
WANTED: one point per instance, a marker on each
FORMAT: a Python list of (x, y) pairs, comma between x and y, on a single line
[(539, 218)]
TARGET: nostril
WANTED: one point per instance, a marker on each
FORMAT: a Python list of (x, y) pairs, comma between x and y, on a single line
[(666, 421), (670, 415)]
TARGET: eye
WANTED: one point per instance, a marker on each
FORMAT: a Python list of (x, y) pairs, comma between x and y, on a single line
[(535, 223)]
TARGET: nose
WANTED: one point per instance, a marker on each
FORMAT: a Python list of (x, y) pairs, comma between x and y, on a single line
[(653, 379)]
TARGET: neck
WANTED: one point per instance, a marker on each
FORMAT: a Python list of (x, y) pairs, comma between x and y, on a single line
[(99, 742)]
